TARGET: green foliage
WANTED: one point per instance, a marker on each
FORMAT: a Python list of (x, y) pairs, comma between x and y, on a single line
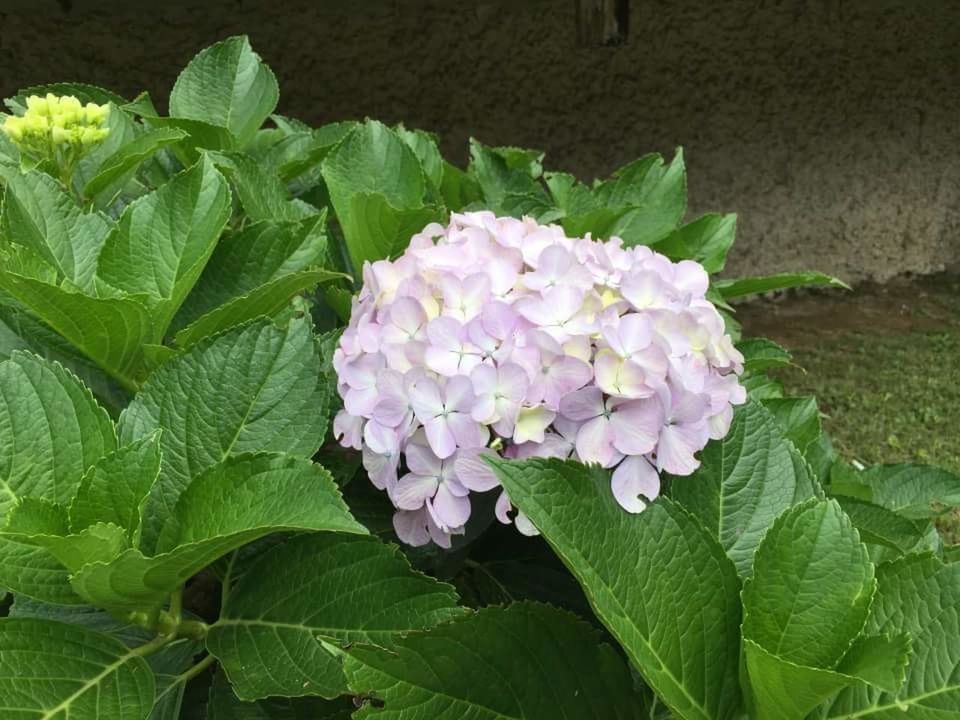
[(181, 539)]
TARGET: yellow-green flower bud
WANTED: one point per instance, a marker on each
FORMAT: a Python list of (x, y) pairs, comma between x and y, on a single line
[(37, 105), (13, 127)]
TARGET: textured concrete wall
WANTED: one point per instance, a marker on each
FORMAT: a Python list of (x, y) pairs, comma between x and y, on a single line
[(829, 126)]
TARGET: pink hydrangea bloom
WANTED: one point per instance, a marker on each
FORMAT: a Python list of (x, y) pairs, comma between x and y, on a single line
[(498, 336)]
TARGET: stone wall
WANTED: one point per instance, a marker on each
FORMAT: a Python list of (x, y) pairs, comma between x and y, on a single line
[(829, 126)]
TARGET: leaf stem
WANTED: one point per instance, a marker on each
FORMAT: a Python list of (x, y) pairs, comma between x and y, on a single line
[(187, 675)]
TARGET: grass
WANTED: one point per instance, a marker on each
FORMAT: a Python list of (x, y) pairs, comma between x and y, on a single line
[(884, 364)]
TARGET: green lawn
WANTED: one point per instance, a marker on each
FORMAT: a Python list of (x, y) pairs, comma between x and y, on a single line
[(884, 363)]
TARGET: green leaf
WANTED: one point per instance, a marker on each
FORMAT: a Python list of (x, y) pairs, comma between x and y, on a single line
[(229, 505), (119, 166), (919, 596), (19, 330), (658, 581), (380, 231), (53, 670), (39, 214), (457, 188), (258, 254), (122, 130), (879, 526), (32, 571), (742, 287), (261, 193), (298, 156), (804, 608), (266, 300), (524, 662), (254, 388), (811, 587), (226, 85), (760, 355), (109, 331), (424, 146), (656, 194), (115, 489), (799, 418), (201, 135), (51, 431), (914, 491), (744, 481), (225, 705), (508, 177), (163, 240), (100, 542), (370, 595), (373, 171), (707, 240)]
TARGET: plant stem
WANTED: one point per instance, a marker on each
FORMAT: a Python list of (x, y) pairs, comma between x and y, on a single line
[(187, 675)]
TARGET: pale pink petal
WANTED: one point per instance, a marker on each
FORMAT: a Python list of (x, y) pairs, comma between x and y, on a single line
[(361, 401), (411, 527), (484, 379), (458, 394), (348, 429), (407, 315), (635, 483), (503, 508), (425, 398), (582, 404), (524, 525), (420, 459), (676, 448), (467, 432), (412, 491), (441, 438), (381, 439), (636, 425), (448, 510), (472, 470), (595, 443)]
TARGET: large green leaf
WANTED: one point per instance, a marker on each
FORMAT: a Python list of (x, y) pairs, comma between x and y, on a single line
[(39, 214), (53, 670), (380, 230), (920, 596), (707, 240), (745, 480), (265, 301), (914, 491), (228, 86), (373, 161), (804, 607), (115, 489), (32, 571), (19, 330), (254, 388), (524, 662), (799, 417), (230, 504), (110, 331), (252, 257), (881, 527), (123, 163), (259, 189), (659, 582), (656, 194), (369, 594), (741, 287), (163, 240), (51, 431)]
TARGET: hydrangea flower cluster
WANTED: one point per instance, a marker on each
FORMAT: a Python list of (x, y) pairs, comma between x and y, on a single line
[(53, 123), (501, 336)]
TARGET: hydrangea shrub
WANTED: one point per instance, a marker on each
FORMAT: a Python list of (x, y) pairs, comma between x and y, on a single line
[(266, 388)]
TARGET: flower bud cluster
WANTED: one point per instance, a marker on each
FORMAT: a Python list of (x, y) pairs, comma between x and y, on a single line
[(55, 123)]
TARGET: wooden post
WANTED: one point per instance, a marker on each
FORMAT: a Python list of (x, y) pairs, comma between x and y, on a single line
[(602, 22)]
